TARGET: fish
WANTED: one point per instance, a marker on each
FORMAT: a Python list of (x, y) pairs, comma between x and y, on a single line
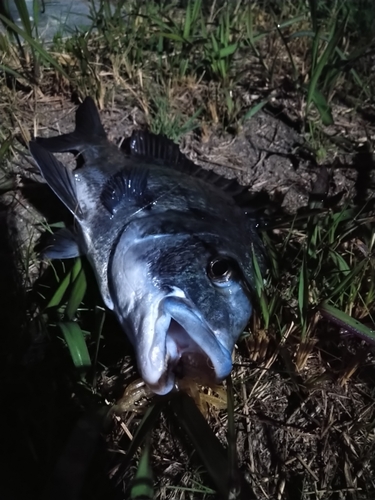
[(171, 245)]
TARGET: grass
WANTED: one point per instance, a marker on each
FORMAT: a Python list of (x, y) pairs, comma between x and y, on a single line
[(193, 69), (136, 41)]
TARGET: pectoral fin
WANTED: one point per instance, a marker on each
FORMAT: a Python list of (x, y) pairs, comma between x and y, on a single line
[(59, 178), (126, 186)]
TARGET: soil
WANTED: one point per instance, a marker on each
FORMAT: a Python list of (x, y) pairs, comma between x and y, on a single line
[(310, 430)]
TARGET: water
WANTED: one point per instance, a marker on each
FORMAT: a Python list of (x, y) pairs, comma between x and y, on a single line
[(55, 16)]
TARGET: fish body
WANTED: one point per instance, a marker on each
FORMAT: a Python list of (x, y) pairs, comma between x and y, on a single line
[(171, 246)]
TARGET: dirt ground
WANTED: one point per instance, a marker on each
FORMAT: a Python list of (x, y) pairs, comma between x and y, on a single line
[(310, 431)]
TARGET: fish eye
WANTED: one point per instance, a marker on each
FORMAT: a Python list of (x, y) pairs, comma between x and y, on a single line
[(220, 269)]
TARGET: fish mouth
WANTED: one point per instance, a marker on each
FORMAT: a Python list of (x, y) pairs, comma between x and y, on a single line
[(190, 348)]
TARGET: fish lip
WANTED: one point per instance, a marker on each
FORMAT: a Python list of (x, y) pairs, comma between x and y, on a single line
[(159, 372)]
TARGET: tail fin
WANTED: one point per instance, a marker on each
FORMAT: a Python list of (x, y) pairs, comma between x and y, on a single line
[(88, 128)]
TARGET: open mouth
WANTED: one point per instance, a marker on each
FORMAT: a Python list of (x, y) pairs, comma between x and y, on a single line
[(184, 345), (186, 358)]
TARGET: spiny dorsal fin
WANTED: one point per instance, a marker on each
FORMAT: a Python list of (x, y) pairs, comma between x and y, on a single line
[(89, 129), (152, 147)]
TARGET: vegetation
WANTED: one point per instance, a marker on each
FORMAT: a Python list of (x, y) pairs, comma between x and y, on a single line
[(207, 68)]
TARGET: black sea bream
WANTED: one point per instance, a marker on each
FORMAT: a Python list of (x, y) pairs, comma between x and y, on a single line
[(171, 245)]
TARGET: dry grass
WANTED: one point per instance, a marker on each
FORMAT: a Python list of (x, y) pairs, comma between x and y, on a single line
[(300, 434), (304, 410)]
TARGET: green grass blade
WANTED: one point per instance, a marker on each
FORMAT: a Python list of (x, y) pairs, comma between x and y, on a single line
[(36, 7), (187, 24), (348, 322), (254, 110), (290, 56), (232, 448), (4, 18), (171, 36), (206, 444), (24, 15), (192, 10), (6, 183), (323, 107), (259, 286), (348, 280), (315, 50), (76, 295), (317, 69), (313, 14), (164, 26), (143, 480), (5, 145), (339, 261), (147, 423), (10, 71), (303, 292), (69, 278), (100, 315), (196, 13), (272, 255), (36, 46), (250, 37), (353, 57), (305, 33), (215, 46), (76, 343), (227, 51)]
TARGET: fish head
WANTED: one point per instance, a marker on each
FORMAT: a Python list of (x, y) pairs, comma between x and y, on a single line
[(183, 300)]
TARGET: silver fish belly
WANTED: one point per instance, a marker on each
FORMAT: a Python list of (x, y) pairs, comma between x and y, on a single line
[(170, 243)]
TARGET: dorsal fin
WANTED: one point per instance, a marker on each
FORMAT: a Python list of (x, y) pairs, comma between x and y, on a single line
[(88, 130), (152, 147)]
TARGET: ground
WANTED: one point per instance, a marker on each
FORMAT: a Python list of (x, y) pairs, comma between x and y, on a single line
[(303, 404)]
